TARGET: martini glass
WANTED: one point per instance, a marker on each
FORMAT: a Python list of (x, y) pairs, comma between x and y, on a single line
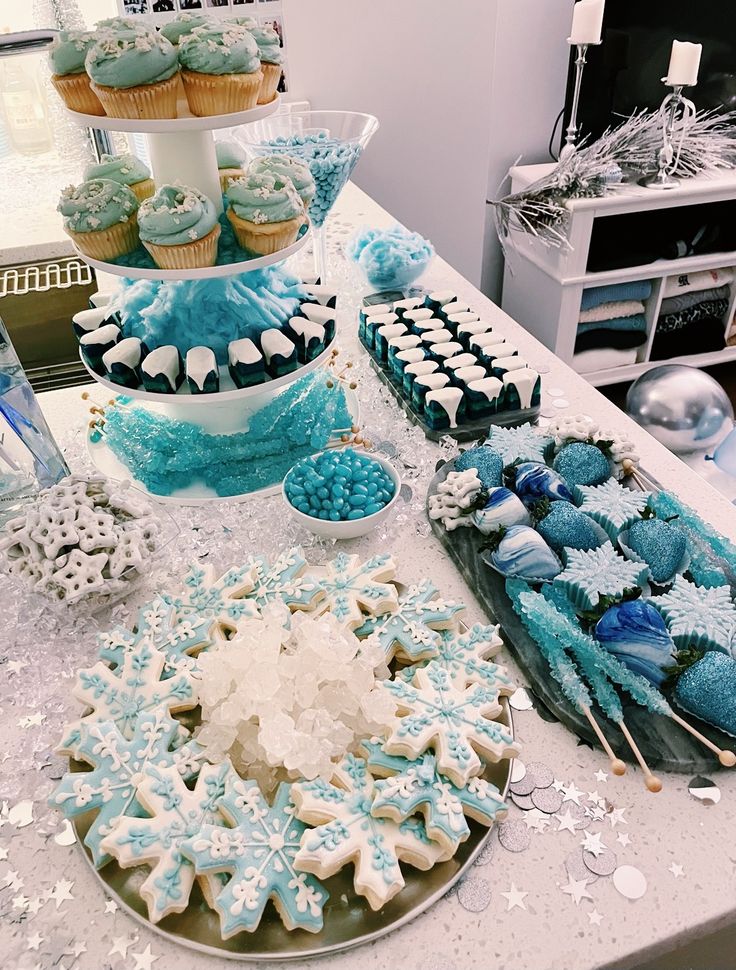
[(330, 142)]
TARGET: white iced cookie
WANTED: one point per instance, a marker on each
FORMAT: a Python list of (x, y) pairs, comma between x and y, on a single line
[(353, 588), (435, 714), (347, 833)]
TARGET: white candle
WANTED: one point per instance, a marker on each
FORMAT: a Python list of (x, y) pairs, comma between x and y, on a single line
[(587, 22), (684, 63)]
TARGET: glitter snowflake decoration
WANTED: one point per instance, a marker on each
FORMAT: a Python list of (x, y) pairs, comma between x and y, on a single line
[(590, 574), (352, 586), (612, 506), (699, 617), (117, 766), (176, 814), (410, 630), (347, 832), (418, 787), (258, 853), (525, 443), (464, 655), (158, 627), (455, 723), (218, 599), (123, 694)]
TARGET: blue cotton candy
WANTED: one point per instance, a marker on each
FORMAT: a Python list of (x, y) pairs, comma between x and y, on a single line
[(390, 258), (209, 312)]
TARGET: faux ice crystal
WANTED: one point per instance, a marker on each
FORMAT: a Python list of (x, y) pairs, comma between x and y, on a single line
[(699, 617), (287, 700), (590, 574)]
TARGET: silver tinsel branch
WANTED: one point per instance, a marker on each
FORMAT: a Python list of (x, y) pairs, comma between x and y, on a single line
[(705, 146)]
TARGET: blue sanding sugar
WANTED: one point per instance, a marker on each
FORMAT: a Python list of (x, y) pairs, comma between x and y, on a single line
[(568, 527), (209, 312), (582, 464), (708, 690), (487, 463)]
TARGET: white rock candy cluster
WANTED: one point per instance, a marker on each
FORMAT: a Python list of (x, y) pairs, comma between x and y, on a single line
[(287, 697)]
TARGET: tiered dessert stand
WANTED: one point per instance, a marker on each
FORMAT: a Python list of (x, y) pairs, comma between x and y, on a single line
[(183, 149)]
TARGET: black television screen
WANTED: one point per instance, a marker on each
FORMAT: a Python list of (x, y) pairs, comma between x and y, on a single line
[(624, 73)]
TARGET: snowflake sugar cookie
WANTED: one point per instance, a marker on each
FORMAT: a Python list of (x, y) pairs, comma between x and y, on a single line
[(700, 617), (157, 626), (117, 766), (611, 505), (347, 832), (452, 721), (176, 814), (218, 599), (590, 574), (465, 657), (123, 694), (352, 586), (409, 631), (417, 786), (258, 854), (284, 582), (525, 443)]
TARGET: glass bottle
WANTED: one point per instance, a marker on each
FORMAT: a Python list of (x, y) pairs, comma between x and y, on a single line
[(30, 459)]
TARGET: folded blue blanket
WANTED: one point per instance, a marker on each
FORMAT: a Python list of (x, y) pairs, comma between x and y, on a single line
[(637, 322), (635, 290)]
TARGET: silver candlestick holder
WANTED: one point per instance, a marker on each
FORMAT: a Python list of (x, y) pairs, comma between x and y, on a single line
[(675, 110), (573, 128)]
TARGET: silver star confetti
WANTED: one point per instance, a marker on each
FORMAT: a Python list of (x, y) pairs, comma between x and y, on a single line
[(514, 898)]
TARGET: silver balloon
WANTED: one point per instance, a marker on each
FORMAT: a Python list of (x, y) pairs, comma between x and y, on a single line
[(683, 407)]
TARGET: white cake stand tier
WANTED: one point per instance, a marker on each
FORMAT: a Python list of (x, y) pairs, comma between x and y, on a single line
[(183, 148)]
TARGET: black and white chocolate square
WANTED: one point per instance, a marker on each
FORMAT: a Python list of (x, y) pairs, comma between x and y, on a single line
[(245, 362), (309, 338), (446, 350), (466, 375), (279, 353), (437, 337), (439, 298), (523, 388), (444, 408), (323, 315), (323, 295), (407, 341), (507, 362), (423, 385), (122, 363), (454, 320), (484, 396), (402, 307), (162, 370), (203, 374), (95, 344), (460, 360), (472, 328), (420, 313), (85, 321)]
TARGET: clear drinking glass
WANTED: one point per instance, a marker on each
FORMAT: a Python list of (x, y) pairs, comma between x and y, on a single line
[(30, 459), (330, 142)]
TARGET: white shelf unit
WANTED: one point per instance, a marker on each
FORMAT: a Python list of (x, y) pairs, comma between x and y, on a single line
[(543, 286)]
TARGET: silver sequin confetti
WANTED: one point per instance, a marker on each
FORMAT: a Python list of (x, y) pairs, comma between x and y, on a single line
[(474, 894), (547, 800), (603, 864), (514, 836)]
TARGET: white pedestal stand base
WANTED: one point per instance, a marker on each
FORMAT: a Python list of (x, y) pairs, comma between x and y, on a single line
[(187, 157)]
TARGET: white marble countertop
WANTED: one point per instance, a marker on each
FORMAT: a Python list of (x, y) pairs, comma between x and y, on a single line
[(473, 928)]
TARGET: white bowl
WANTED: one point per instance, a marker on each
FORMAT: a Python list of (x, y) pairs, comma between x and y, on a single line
[(345, 528)]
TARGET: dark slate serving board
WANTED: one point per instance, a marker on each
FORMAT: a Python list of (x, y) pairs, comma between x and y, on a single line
[(664, 745)]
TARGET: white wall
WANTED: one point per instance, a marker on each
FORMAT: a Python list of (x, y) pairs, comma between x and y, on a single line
[(528, 91), (423, 67)]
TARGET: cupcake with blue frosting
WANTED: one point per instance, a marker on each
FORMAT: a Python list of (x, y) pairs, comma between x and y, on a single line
[(269, 51), (183, 25), (179, 228), (220, 69), (230, 161), (134, 74), (127, 170), (66, 60), (286, 166), (265, 211), (100, 217)]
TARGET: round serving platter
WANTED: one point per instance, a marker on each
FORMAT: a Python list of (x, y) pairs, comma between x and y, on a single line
[(107, 462), (348, 919), (185, 120), (664, 745)]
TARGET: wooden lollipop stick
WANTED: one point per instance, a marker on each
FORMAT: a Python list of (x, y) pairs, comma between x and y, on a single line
[(726, 757), (618, 767), (651, 781)]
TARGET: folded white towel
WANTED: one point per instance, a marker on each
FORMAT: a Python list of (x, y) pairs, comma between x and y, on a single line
[(601, 358), (611, 311)]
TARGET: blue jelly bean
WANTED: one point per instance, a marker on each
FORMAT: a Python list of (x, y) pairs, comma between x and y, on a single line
[(360, 489), (356, 514), (322, 514), (373, 508), (322, 492), (334, 516), (357, 501), (337, 490)]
